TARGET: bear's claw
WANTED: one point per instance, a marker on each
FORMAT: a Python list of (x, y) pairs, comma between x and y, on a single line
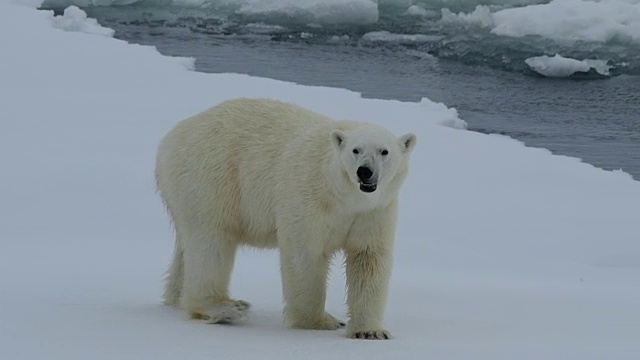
[(371, 335), (331, 323)]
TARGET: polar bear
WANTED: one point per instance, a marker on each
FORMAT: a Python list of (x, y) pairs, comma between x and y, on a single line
[(270, 174)]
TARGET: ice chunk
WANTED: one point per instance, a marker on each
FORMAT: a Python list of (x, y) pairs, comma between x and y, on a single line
[(446, 116), (481, 17), (415, 10), (561, 20), (573, 20), (385, 36), (322, 11), (559, 66), (75, 19)]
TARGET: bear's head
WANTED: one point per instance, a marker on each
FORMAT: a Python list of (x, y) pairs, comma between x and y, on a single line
[(372, 157)]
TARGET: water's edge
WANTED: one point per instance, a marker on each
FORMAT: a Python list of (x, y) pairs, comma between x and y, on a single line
[(596, 121)]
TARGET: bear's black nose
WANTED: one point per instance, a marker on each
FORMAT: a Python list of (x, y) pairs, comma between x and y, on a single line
[(364, 173)]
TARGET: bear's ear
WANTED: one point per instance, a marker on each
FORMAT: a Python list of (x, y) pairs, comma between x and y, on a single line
[(407, 142), (337, 139)]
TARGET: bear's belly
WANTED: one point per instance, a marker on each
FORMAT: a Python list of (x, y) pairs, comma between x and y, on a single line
[(267, 240), (258, 229), (258, 226)]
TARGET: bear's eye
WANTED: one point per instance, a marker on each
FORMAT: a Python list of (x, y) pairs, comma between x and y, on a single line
[(356, 151), (384, 152)]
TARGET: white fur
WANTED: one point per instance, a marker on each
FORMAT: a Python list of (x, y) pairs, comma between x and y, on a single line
[(274, 175)]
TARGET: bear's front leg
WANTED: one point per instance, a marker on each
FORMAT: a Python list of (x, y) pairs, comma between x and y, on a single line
[(368, 273), (304, 281), (368, 265)]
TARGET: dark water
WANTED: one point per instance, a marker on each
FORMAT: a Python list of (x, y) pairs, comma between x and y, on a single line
[(437, 32), (597, 120)]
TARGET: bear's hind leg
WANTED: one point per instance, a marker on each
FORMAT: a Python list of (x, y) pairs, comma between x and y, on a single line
[(174, 276), (205, 295)]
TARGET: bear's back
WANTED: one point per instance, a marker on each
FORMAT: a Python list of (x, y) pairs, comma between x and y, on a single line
[(224, 164)]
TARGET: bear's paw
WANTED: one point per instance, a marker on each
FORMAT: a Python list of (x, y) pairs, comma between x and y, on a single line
[(226, 312)]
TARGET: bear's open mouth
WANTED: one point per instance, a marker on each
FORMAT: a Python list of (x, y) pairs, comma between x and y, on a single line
[(368, 188)]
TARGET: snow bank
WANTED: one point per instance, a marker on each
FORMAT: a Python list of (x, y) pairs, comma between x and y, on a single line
[(503, 251), (561, 20), (558, 66)]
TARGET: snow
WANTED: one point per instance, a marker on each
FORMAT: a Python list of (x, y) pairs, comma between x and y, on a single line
[(558, 66), (560, 20), (503, 251)]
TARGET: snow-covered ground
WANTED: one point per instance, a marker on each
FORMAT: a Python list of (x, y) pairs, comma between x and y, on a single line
[(503, 251)]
